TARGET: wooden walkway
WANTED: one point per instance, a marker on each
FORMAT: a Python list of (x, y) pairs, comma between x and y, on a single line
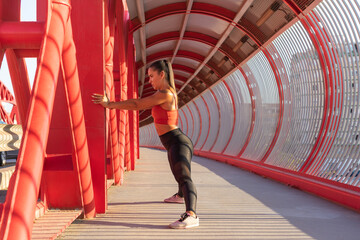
[(232, 204)]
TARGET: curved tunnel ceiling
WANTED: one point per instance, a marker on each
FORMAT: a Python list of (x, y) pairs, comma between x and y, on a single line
[(204, 41)]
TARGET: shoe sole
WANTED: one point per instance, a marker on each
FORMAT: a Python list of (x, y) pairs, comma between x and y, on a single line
[(185, 227), (191, 226), (173, 202)]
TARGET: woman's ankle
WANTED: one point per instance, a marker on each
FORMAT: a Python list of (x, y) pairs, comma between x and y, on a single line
[(191, 213)]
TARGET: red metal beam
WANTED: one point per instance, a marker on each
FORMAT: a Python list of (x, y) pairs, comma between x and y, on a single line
[(75, 108), (21, 198), (326, 137), (20, 83), (122, 17), (21, 35), (115, 171), (308, 25)]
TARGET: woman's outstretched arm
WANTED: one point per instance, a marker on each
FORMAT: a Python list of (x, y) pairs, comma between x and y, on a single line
[(159, 97)]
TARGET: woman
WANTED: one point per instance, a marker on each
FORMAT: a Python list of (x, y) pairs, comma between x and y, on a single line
[(179, 147)]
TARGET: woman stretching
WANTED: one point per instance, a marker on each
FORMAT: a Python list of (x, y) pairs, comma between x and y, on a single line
[(179, 147)]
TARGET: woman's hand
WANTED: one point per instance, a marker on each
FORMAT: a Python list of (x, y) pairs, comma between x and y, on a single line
[(103, 100)]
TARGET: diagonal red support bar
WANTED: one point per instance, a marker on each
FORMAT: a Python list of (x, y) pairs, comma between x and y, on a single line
[(72, 86), (19, 208), (20, 83)]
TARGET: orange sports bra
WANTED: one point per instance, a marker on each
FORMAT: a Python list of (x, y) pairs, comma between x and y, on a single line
[(162, 116)]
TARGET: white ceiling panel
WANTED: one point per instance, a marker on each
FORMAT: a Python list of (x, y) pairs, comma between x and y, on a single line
[(196, 47), (165, 24), (186, 62), (207, 25), (181, 73), (164, 46)]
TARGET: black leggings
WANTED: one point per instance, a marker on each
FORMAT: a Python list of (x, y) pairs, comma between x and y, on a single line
[(180, 150)]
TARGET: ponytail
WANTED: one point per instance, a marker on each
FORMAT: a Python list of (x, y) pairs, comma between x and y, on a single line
[(171, 75)]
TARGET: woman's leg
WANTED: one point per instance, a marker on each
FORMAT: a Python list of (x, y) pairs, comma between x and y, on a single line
[(180, 155), (179, 193)]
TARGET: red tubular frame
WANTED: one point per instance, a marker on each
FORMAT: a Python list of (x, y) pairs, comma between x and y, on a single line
[(20, 82), (7, 97), (72, 87), (110, 89), (131, 94), (47, 157), (19, 207), (122, 17), (28, 35)]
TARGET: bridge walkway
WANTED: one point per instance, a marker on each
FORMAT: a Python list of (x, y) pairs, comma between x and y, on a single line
[(232, 204)]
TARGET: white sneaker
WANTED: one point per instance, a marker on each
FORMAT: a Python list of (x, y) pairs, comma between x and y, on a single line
[(185, 221), (174, 199)]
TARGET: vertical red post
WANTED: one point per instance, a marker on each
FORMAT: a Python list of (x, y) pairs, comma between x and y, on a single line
[(131, 95), (137, 112), (122, 17), (109, 49), (89, 41)]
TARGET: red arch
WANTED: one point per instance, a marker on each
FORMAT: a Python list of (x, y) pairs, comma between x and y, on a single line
[(198, 8), (194, 36)]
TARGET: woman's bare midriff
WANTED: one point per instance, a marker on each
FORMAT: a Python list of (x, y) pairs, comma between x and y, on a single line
[(164, 128)]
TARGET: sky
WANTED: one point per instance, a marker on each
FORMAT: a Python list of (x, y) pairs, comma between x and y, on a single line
[(28, 13)]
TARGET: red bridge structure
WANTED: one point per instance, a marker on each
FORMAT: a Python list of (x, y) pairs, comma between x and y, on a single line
[(7, 98), (268, 86)]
